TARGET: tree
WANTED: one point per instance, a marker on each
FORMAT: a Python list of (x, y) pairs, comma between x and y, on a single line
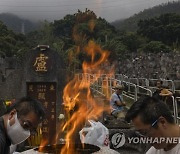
[(116, 49), (132, 41), (165, 28), (10, 42), (155, 46)]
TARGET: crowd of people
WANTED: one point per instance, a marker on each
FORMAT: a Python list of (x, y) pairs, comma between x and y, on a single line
[(150, 65), (24, 116), (151, 117)]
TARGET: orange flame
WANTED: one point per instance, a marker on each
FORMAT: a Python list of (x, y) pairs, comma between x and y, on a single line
[(42, 145), (78, 97)]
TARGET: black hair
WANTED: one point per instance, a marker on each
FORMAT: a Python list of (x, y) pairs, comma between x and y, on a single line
[(26, 105), (149, 109), (161, 82)]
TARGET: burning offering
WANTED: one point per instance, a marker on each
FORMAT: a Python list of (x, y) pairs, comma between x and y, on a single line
[(79, 149), (81, 104), (78, 98)]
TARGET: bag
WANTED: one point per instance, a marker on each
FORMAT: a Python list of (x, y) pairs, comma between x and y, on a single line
[(97, 134)]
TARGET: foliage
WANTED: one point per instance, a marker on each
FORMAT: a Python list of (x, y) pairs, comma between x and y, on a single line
[(64, 27), (69, 37), (72, 33), (155, 47), (165, 28), (116, 49), (132, 40), (10, 42), (131, 23)]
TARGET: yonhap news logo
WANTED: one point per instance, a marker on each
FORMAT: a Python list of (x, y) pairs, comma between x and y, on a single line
[(119, 139)]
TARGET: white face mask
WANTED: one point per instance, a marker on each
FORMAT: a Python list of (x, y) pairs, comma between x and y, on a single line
[(16, 132)]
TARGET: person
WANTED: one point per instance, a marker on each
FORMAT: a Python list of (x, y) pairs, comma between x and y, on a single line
[(161, 93), (117, 103), (153, 119), (20, 120)]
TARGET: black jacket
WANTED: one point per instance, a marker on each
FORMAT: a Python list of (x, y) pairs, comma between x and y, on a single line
[(4, 140)]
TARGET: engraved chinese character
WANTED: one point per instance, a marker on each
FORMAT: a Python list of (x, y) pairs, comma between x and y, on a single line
[(41, 90), (52, 87), (52, 110), (45, 104), (30, 87), (40, 63), (45, 121), (41, 95), (52, 103), (45, 129), (52, 116)]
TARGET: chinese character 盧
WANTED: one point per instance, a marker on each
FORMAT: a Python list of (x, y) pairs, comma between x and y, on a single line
[(40, 63)]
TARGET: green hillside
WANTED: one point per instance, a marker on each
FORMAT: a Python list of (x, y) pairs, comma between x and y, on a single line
[(15, 23), (130, 24)]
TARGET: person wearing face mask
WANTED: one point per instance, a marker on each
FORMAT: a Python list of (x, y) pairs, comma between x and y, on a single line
[(19, 122)]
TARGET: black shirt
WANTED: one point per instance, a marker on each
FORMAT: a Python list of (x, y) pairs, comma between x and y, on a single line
[(4, 140), (156, 94)]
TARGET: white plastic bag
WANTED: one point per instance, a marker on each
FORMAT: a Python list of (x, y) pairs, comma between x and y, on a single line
[(97, 134), (12, 148)]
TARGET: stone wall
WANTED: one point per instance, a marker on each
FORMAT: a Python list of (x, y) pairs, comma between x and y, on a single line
[(150, 65)]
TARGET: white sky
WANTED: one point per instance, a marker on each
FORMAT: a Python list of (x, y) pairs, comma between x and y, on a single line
[(56, 9)]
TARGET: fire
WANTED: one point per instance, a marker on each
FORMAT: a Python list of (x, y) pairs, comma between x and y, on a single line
[(78, 98), (42, 145)]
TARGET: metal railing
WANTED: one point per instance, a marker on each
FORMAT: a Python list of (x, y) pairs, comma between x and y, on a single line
[(175, 110), (143, 82), (150, 82), (126, 84), (140, 82), (103, 85)]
